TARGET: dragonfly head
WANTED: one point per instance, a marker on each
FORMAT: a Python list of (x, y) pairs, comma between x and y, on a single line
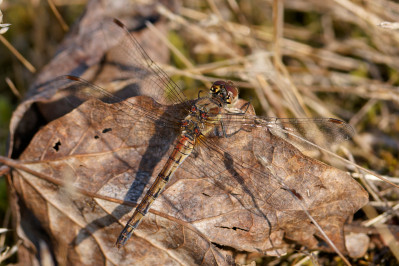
[(226, 91)]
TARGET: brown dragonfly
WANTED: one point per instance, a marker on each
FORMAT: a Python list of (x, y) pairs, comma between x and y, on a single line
[(199, 121)]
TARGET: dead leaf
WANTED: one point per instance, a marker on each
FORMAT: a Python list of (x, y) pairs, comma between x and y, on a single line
[(81, 175), (218, 198)]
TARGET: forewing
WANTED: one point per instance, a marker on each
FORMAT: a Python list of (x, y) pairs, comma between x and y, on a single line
[(307, 134), (74, 91), (137, 69), (305, 131)]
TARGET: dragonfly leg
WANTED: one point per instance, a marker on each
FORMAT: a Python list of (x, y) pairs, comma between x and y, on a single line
[(199, 94), (232, 134), (246, 106)]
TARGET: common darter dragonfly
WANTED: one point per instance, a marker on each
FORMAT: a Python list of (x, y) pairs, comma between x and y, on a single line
[(201, 122)]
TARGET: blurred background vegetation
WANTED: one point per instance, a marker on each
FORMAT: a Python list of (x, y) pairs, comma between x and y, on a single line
[(35, 34), (297, 58)]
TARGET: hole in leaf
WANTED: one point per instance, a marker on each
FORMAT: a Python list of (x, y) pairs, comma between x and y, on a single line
[(234, 228), (57, 145), (105, 130), (217, 245)]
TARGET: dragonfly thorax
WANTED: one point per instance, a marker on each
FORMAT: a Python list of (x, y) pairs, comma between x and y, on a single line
[(190, 128), (203, 117)]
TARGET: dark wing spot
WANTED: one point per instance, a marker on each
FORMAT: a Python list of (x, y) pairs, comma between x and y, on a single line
[(297, 194), (336, 121), (293, 191)]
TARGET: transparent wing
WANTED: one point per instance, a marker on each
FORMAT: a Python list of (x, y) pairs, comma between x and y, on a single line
[(269, 178), (137, 69), (83, 90), (231, 164), (135, 74), (308, 134), (304, 133), (247, 146)]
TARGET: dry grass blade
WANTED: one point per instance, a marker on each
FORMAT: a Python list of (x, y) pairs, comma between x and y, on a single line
[(389, 25), (8, 252), (384, 231), (57, 14), (13, 88), (20, 57)]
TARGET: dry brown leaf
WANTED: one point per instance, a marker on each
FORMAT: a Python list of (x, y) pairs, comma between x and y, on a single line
[(87, 169), (213, 198)]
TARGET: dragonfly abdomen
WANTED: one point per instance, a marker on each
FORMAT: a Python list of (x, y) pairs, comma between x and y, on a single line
[(182, 150)]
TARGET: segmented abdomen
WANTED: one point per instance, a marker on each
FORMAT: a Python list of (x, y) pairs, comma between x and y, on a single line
[(182, 150)]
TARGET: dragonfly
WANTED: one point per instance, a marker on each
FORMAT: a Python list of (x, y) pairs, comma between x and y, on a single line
[(199, 121)]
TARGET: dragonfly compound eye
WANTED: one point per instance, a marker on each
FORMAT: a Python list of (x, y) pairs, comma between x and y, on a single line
[(217, 86), (231, 91)]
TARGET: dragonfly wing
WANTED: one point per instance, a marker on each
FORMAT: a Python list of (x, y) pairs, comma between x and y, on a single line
[(135, 74), (138, 71), (307, 134), (74, 91), (265, 185)]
